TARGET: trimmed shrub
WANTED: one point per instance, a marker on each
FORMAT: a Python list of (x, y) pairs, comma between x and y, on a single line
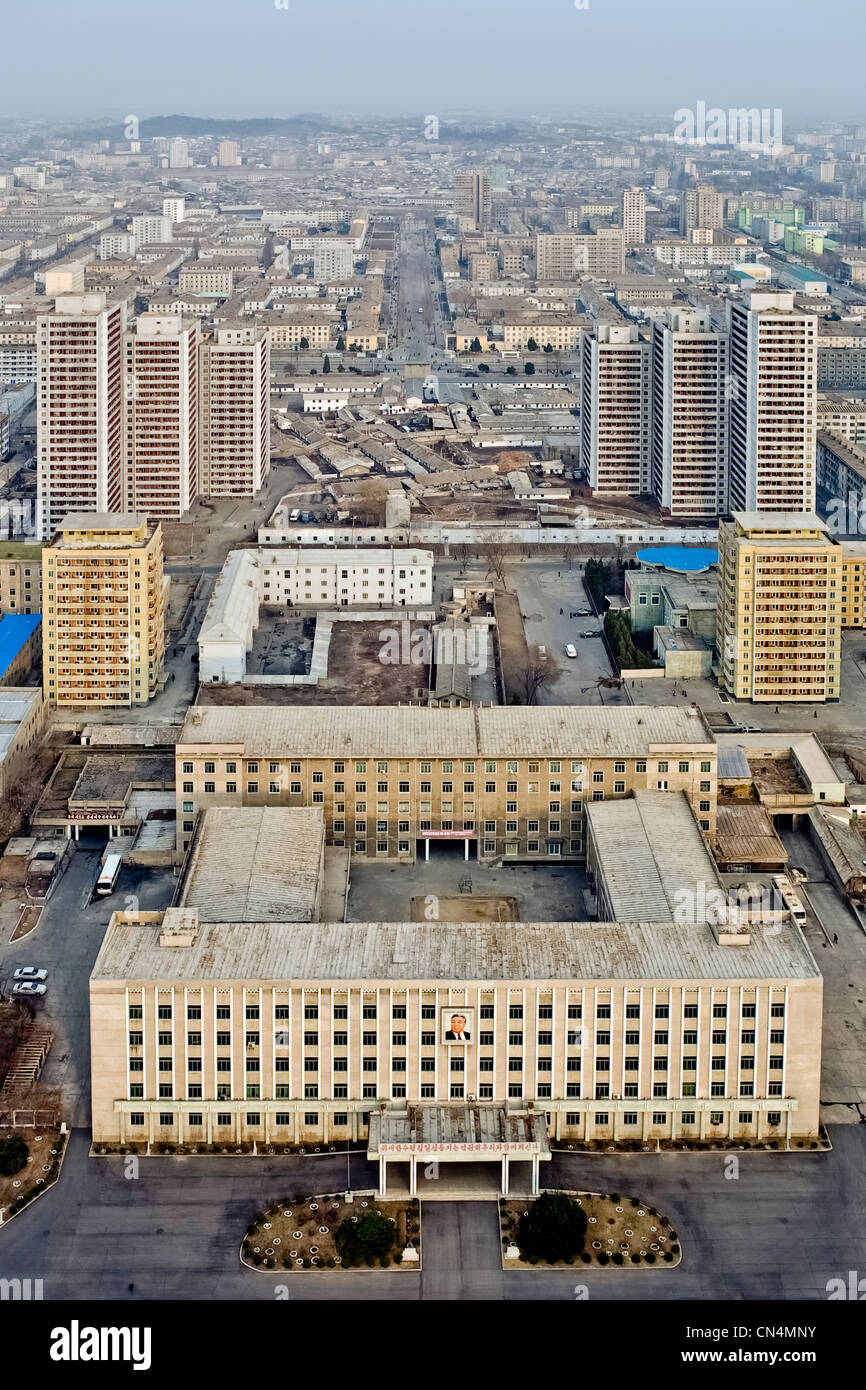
[(370, 1236), (554, 1228), (13, 1155)]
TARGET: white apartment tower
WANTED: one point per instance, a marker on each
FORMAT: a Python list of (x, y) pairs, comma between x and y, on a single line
[(228, 154), (151, 227), (333, 263), (174, 209), (161, 416), (689, 414), (234, 414), (79, 408), (615, 410), (773, 404), (178, 154), (634, 216)]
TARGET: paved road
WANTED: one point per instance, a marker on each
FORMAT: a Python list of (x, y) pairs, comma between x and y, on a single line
[(66, 943), (780, 1230)]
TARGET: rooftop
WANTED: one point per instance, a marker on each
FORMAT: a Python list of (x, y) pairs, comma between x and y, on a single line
[(386, 951), (256, 864), (407, 731), (650, 851)]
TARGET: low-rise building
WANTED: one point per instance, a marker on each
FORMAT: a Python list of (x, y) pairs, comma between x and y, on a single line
[(299, 1032), (511, 783)]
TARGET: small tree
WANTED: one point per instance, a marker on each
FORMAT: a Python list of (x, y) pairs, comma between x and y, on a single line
[(326, 364), (512, 370), (370, 1235), (531, 345), (13, 1155), (304, 344), (475, 345), (341, 344), (548, 347), (529, 369), (483, 367), (554, 1229)]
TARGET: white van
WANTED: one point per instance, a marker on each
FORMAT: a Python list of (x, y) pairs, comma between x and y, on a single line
[(294, 514)]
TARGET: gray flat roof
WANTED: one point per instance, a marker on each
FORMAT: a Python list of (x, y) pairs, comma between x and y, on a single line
[(650, 850), (256, 864), (295, 952), (410, 731)]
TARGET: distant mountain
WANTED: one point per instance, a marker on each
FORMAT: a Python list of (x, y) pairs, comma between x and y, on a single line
[(194, 126)]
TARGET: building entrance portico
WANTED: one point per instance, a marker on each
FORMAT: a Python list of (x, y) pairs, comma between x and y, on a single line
[(427, 1136)]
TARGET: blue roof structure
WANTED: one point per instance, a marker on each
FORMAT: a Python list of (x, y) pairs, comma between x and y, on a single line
[(16, 629), (682, 559)]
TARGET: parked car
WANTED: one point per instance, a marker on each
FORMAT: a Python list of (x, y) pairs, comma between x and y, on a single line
[(570, 650), (28, 987), (30, 972), (294, 514), (584, 612), (590, 634)]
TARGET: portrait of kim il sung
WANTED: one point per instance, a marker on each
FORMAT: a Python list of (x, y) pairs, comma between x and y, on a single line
[(457, 1024)]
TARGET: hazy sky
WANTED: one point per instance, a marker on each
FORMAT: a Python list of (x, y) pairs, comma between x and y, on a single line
[(111, 58)]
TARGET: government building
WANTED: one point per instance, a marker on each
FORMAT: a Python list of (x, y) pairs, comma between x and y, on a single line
[(510, 783), (300, 1032)]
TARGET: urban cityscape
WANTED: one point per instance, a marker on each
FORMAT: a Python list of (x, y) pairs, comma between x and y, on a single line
[(433, 670)]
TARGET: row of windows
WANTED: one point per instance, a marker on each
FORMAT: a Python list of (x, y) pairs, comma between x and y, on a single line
[(340, 1119), (543, 1090), (447, 767), (311, 1011), (515, 1063), (515, 1039)]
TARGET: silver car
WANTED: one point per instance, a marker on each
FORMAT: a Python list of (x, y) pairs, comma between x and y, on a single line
[(30, 972)]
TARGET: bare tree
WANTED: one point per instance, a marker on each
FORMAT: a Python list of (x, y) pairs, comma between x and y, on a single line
[(537, 673), (462, 554), (495, 553)]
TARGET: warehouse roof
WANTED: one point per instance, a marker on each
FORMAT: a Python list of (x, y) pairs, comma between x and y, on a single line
[(489, 951), (410, 731), (256, 864), (651, 853)]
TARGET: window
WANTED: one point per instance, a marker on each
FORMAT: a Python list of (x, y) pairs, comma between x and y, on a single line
[(660, 1117), (688, 1117), (662, 1011), (720, 1011)]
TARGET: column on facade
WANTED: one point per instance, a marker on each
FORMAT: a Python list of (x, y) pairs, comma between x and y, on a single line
[(760, 1131), (413, 1176), (209, 1126), (297, 1125), (646, 1122), (427, 848), (788, 1128), (122, 1127), (325, 1130), (267, 1126), (535, 1174), (180, 1125), (505, 1175), (383, 1175), (465, 849), (238, 1129), (150, 1126), (703, 1129)]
